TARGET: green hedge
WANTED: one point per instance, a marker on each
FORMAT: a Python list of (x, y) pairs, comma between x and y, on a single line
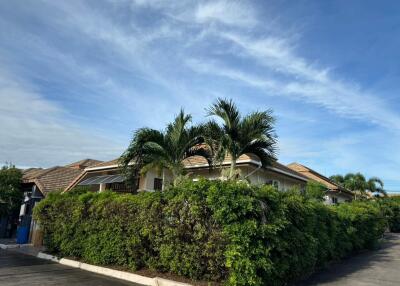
[(391, 209), (210, 230)]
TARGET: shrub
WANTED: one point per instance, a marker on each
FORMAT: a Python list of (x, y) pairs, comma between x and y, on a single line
[(391, 209), (210, 230)]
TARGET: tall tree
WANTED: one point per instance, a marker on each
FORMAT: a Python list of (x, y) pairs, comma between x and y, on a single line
[(338, 179), (375, 185), (10, 189), (359, 185), (237, 135), (153, 149)]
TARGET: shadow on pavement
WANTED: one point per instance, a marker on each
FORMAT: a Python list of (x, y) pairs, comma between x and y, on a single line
[(378, 267)]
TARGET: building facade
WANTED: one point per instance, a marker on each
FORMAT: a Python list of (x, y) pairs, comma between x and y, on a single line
[(335, 193)]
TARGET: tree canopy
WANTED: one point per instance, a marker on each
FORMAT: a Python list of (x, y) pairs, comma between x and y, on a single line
[(10, 189), (237, 135), (153, 149), (357, 183)]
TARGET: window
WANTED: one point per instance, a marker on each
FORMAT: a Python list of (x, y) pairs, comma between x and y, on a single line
[(158, 184), (121, 187), (334, 200)]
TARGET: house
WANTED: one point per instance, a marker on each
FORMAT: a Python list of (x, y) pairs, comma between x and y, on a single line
[(335, 193), (107, 175), (38, 182)]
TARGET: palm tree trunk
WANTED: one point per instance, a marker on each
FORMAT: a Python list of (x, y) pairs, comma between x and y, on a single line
[(233, 167), (163, 179)]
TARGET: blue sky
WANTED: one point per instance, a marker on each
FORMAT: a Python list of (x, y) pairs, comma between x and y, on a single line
[(77, 77)]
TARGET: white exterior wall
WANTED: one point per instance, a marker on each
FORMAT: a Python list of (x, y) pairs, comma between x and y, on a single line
[(254, 175), (147, 180), (341, 198), (262, 176)]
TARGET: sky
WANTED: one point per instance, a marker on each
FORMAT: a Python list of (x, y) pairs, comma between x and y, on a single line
[(77, 78)]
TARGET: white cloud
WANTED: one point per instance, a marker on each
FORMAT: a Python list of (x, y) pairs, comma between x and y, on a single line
[(231, 13), (290, 75), (35, 131), (216, 38)]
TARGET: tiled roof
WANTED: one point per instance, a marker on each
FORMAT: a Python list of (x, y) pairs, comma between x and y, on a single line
[(198, 162), (201, 162), (31, 173), (283, 168), (56, 178), (82, 164), (313, 175), (53, 179), (110, 164)]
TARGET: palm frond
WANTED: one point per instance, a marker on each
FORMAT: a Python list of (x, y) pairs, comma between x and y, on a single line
[(263, 148), (202, 151), (258, 124), (228, 112)]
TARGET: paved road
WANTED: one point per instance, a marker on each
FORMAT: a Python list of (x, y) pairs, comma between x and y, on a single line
[(21, 269), (381, 267)]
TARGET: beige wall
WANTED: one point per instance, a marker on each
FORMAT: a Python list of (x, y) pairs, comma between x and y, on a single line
[(254, 175), (341, 198), (147, 180)]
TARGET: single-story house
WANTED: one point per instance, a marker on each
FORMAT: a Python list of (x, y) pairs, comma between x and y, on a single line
[(38, 182), (335, 193), (107, 175)]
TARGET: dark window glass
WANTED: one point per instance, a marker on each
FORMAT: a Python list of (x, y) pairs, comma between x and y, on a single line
[(122, 187), (158, 184)]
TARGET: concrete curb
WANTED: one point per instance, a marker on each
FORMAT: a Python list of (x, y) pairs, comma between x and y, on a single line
[(131, 277), (11, 246), (46, 256)]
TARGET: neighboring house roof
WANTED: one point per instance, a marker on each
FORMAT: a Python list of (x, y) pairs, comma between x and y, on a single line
[(100, 166), (104, 165), (31, 172), (82, 164), (55, 178), (315, 176)]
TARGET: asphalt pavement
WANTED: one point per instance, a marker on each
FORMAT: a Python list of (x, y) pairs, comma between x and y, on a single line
[(379, 267), (21, 269)]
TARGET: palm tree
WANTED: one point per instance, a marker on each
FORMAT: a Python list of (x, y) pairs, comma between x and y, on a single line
[(375, 185), (358, 184), (237, 135), (153, 149), (338, 179)]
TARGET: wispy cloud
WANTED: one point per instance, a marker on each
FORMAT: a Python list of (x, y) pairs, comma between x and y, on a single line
[(292, 76), (34, 131), (77, 69), (232, 13)]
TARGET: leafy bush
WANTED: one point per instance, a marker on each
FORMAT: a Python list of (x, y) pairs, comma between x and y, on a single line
[(315, 191), (10, 189), (210, 230), (391, 209)]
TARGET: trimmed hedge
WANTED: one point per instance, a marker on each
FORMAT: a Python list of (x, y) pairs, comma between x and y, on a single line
[(210, 230), (391, 209)]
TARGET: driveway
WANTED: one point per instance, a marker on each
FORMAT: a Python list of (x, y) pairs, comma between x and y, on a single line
[(380, 267), (21, 269)]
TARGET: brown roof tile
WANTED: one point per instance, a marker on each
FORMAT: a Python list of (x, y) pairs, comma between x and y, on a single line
[(198, 161), (107, 163), (82, 164), (56, 178), (31, 173), (313, 175)]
